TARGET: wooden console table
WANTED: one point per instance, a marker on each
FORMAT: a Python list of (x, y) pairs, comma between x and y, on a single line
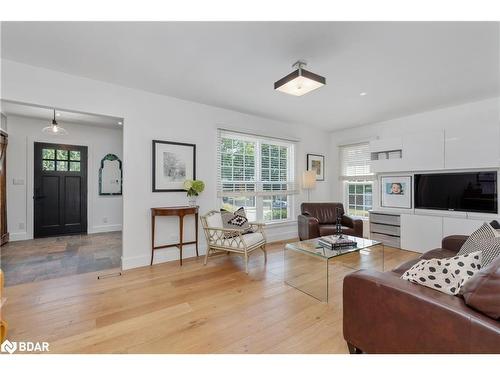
[(179, 211)]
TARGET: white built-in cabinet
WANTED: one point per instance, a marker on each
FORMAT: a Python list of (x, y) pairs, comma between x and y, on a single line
[(452, 225), (422, 233), (423, 151), (477, 147), (382, 147), (440, 149)]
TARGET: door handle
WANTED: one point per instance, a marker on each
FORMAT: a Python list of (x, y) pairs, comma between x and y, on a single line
[(38, 197)]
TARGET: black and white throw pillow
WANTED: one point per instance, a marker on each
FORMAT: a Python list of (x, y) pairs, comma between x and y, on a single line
[(490, 249), (235, 220), (446, 275), (485, 232)]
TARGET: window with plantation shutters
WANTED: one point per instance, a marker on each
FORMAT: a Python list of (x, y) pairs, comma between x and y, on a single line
[(355, 162), (256, 173)]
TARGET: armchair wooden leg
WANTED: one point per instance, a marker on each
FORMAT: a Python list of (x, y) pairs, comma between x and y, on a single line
[(206, 256), (246, 262), (263, 247)]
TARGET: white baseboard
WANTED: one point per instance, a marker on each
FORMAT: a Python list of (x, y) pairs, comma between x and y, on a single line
[(162, 256), (172, 254), (105, 228), (21, 236)]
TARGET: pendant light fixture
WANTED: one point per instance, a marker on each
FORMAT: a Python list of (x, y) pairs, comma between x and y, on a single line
[(55, 128), (300, 81)]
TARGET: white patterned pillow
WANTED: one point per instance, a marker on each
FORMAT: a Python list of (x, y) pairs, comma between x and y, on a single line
[(485, 232), (446, 275)]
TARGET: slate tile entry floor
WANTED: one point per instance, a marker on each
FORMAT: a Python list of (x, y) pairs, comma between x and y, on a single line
[(53, 257)]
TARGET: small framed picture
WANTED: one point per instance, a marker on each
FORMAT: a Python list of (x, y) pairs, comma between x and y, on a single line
[(395, 191), (173, 163), (316, 163)]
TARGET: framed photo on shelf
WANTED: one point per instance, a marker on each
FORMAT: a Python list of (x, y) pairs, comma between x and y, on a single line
[(395, 191), (173, 163), (316, 163)]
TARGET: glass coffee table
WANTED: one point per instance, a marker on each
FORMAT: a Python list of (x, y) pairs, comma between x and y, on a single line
[(315, 270)]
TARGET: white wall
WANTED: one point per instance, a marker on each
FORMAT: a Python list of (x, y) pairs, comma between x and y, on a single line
[(3, 123), (149, 116), (475, 115), (104, 212)]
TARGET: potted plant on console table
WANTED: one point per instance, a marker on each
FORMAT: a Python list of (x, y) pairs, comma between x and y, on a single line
[(193, 189)]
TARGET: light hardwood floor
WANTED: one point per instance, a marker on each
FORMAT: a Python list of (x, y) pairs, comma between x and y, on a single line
[(190, 309)]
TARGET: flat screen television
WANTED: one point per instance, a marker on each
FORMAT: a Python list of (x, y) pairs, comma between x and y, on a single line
[(470, 191)]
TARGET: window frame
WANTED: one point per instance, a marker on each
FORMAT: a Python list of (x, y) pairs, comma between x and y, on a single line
[(356, 171), (260, 195), (347, 194)]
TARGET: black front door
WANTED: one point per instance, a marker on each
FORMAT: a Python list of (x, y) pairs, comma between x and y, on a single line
[(60, 189)]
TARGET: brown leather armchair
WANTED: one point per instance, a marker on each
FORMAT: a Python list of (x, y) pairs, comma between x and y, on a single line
[(386, 314), (318, 219)]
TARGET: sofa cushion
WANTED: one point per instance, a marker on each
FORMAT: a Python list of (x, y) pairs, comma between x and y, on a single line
[(402, 268), (446, 275), (436, 253), (482, 291), (327, 230), (478, 240), (250, 239), (326, 213), (454, 242)]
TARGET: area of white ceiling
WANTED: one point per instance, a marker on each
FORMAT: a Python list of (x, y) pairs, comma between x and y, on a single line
[(62, 116), (404, 67)]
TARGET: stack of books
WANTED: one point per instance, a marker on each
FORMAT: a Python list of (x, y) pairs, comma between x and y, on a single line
[(336, 243)]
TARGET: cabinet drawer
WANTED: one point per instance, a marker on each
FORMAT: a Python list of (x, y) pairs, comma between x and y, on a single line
[(386, 240), (384, 219), (385, 229)]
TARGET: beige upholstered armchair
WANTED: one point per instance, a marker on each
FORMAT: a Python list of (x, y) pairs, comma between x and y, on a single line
[(232, 240)]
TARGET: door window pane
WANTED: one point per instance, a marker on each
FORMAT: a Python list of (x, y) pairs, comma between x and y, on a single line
[(74, 155), (74, 166), (62, 155), (48, 153), (48, 165), (62, 165)]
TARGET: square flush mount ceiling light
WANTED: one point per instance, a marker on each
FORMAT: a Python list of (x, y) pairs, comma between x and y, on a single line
[(300, 81)]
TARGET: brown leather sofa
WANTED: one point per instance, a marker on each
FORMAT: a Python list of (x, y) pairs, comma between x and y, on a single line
[(385, 314), (318, 219)]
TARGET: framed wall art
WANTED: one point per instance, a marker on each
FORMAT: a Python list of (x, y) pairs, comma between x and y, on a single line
[(173, 163), (316, 163), (395, 191)]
